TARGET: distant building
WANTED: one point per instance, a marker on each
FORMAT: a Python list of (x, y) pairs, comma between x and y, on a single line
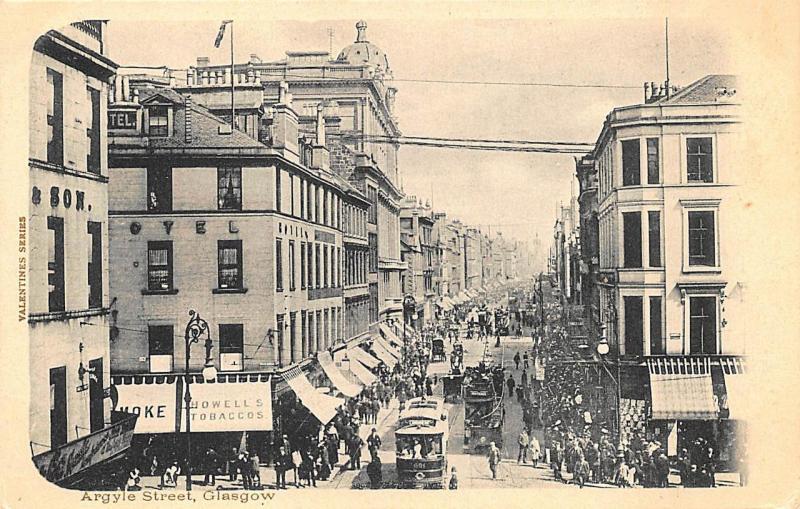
[(416, 230), (72, 427)]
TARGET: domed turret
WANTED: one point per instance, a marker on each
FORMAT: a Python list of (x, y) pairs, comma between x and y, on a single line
[(364, 52)]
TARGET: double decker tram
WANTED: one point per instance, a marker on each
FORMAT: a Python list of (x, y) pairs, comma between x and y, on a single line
[(421, 440), (483, 407)]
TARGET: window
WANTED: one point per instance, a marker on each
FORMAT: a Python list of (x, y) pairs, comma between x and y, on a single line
[(293, 338), (231, 347), (278, 265), (302, 265), (702, 325), (279, 319), (55, 117), (159, 189), (278, 189), (372, 196), (699, 165), (630, 163), (292, 281), (653, 176), (654, 237), (291, 194), (230, 264), (58, 406), (304, 336), (657, 346), (633, 326), (373, 302), (161, 345), (702, 246), (95, 269), (310, 265), (159, 120), (303, 199), (318, 259), (373, 252), (159, 265), (93, 132), (338, 267), (326, 217), (632, 239), (318, 204), (229, 188), (324, 266), (55, 263)]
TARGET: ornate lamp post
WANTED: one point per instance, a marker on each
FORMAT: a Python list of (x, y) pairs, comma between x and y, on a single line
[(195, 328), (409, 308)]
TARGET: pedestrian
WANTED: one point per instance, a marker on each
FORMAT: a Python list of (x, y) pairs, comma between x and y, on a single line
[(355, 452), (593, 458), (524, 442), (517, 360), (662, 469), (623, 474), (556, 458), (510, 384), (376, 407), (494, 459), (233, 464), (582, 470), (281, 466), (453, 483), (211, 465), (375, 473), (374, 443), (535, 451), (246, 468), (255, 470), (684, 467)]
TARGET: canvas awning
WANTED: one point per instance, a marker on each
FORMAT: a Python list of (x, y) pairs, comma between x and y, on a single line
[(361, 372), (389, 338), (383, 354), (363, 357), (336, 377), (681, 388), (446, 304), (321, 405), (736, 389)]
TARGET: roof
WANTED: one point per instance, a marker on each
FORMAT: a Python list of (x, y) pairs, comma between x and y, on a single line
[(438, 429), (364, 52), (709, 89)]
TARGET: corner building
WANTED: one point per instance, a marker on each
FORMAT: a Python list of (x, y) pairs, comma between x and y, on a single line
[(671, 290)]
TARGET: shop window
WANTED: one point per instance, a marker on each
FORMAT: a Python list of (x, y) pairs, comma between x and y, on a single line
[(630, 163), (55, 117), (702, 243), (702, 325), (161, 344), (158, 121), (230, 264), (231, 347), (55, 263), (699, 160), (159, 189), (632, 239), (159, 266), (229, 188)]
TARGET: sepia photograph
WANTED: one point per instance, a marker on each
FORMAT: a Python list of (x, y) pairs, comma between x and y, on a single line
[(260, 256)]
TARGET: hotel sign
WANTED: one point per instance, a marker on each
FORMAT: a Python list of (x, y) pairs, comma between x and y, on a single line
[(122, 120)]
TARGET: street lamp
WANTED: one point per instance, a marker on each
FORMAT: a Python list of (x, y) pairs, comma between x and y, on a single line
[(602, 350), (195, 328)]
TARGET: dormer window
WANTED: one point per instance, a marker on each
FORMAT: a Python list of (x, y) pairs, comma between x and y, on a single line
[(159, 120)]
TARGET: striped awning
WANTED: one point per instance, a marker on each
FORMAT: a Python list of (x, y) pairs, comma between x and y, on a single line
[(363, 357), (736, 389), (681, 388), (383, 354), (336, 377), (363, 374), (321, 405), (389, 338)]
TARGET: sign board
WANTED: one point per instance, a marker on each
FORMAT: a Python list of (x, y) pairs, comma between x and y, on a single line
[(240, 406), (74, 457), (122, 119), (155, 404)]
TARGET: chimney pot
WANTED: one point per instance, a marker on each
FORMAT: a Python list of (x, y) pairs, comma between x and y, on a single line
[(203, 61)]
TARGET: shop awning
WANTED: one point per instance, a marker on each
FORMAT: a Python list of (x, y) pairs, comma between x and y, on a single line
[(363, 357), (321, 405), (361, 372), (383, 354), (390, 337), (336, 377), (445, 303), (736, 389), (681, 389)]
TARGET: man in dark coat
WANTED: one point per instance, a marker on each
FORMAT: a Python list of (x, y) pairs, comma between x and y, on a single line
[(375, 473), (211, 465), (356, 443)]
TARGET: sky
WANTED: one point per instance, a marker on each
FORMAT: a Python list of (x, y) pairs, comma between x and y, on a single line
[(517, 194)]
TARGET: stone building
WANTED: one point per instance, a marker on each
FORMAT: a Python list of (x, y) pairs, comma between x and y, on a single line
[(72, 427)]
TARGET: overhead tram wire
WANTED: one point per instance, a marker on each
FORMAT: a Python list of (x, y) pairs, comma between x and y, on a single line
[(551, 147)]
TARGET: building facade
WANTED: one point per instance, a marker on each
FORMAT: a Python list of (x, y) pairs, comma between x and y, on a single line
[(68, 264), (670, 290), (416, 230), (360, 102)]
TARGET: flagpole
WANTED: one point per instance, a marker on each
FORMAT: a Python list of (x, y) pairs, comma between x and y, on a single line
[(233, 81)]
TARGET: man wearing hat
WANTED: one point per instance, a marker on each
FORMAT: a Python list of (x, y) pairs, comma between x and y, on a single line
[(494, 459)]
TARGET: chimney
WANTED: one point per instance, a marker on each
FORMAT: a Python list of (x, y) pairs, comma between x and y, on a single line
[(203, 61), (647, 92), (254, 59), (285, 124), (187, 113), (320, 156)]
